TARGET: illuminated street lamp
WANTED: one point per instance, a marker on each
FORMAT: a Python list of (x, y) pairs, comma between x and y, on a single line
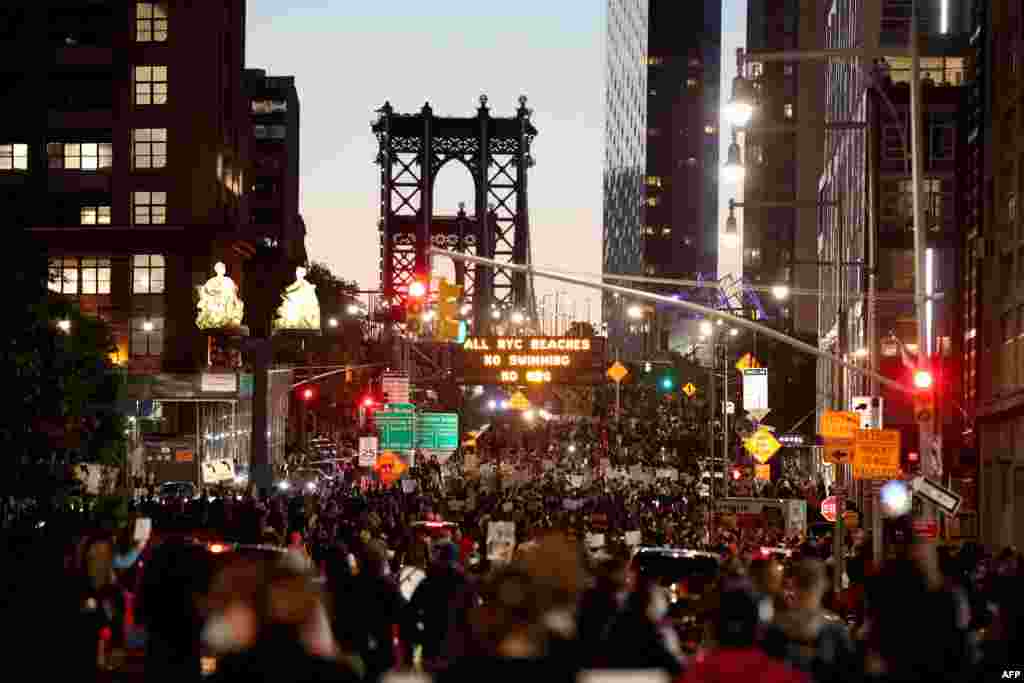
[(352, 309), (734, 171), (706, 328), (147, 326), (332, 322), (517, 318), (780, 292), (635, 312), (64, 326), (496, 314), (734, 332), (740, 108), (731, 234)]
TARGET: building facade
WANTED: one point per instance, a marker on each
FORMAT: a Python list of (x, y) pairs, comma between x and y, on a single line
[(993, 269), (784, 147), (680, 233), (124, 150), (625, 154)]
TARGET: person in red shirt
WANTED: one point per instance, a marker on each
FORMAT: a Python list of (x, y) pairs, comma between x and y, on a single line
[(736, 654)]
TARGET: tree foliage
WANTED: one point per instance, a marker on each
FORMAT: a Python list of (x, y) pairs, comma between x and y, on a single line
[(61, 387), (327, 283)]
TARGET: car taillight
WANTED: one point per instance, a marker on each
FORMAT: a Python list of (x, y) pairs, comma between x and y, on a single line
[(218, 548)]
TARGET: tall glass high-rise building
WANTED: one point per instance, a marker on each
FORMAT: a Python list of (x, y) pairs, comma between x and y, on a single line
[(625, 148)]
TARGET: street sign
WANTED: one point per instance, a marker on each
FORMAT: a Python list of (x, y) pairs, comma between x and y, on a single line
[(948, 501), (399, 408), (617, 372), (792, 439), (747, 362), (838, 451), (762, 445), (367, 451), (763, 472), (396, 430), (390, 467), (870, 410), (926, 528), (755, 389), (437, 431), (876, 454), (689, 390), (829, 508), (519, 401), (395, 387), (837, 424)]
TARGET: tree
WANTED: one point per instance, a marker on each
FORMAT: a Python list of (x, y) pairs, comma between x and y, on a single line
[(61, 385)]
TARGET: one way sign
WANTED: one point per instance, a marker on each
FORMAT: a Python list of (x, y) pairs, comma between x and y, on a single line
[(948, 501)]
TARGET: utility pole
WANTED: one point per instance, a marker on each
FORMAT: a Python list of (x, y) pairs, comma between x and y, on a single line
[(725, 418)]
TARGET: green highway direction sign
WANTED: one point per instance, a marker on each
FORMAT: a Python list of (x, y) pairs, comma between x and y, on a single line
[(437, 431), (396, 431)]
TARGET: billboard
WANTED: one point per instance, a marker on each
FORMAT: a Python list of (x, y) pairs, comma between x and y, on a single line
[(532, 360)]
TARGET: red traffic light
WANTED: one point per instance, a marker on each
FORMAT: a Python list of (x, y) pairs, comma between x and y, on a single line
[(417, 289), (923, 380), (736, 474), (308, 394), (368, 402)]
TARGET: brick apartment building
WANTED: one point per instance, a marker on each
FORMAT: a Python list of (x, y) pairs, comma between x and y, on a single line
[(126, 147)]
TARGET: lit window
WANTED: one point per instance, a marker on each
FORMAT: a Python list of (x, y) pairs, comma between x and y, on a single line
[(149, 208), (665, 232), (150, 22), (269, 106), (654, 61), (788, 110), (654, 132), (149, 147), (80, 156), (653, 181), (653, 201), (64, 275), (95, 276), (95, 215), (756, 69), (691, 82), (148, 274), (14, 157), (147, 336), (709, 129), (151, 85), (269, 132)]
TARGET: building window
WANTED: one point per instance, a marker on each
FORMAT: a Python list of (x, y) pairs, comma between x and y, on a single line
[(654, 61), (943, 139), (649, 230), (150, 22), (752, 257), (269, 106), (149, 147), (691, 82), (666, 232), (756, 69), (653, 201), (149, 208), (147, 336), (151, 85), (148, 274), (84, 156), (709, 129), (269, 132), (94, 215), (653, 181), (787, 110), (654, 132), (95, 275), (788, 69), (14, 157), (64, 275), (1011, 207)]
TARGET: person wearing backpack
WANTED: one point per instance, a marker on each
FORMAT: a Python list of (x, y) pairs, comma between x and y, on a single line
[(807, 636)]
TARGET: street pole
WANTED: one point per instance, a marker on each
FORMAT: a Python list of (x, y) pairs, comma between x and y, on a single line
[(713, 402), (920, 234), (725, 419), (618, 394)]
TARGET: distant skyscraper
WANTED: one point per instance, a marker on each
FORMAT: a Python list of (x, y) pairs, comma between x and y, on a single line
[(625, 148), (681, 182)]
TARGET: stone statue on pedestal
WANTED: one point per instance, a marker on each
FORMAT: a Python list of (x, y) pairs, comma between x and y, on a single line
[(219, 304)]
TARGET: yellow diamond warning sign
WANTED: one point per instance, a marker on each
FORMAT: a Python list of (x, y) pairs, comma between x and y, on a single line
[(617, 372), (762, 445)]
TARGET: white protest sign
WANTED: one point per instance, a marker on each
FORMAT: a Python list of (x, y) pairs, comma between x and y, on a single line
[(501, 541), (634, 538)]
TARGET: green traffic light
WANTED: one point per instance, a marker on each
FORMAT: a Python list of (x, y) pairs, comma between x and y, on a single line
[(666, 383)]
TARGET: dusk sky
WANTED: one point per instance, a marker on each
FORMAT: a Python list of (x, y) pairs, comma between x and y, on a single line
[(349, 57)]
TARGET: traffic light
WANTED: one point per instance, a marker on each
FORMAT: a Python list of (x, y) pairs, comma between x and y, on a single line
[(736, 473), (369, 402), (647, 366), (448, 297), (307, 394), (414, 305), (924, 396), (667, 383)]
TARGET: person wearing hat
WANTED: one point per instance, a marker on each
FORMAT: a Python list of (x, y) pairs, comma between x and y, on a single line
[(741, 615)]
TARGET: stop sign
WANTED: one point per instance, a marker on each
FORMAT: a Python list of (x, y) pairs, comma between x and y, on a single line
[(828, 508)]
